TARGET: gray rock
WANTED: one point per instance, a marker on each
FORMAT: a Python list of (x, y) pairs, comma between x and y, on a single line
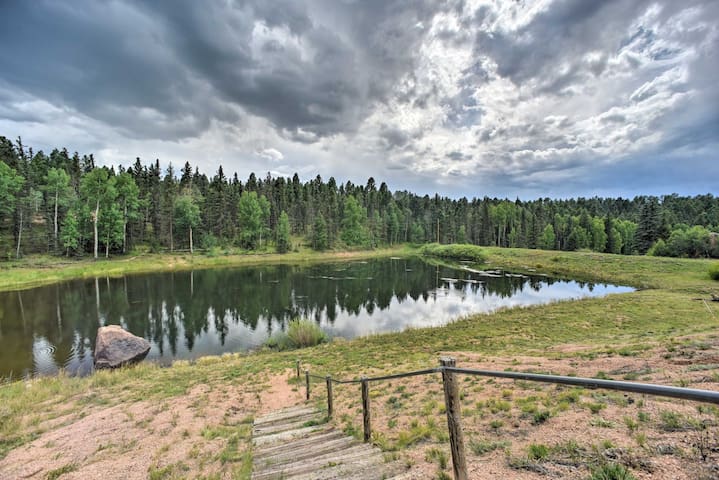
[(116, 347)]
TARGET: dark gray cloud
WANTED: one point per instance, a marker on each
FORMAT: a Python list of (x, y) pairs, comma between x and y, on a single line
[(517, 95), (549, 49), (185, 59)]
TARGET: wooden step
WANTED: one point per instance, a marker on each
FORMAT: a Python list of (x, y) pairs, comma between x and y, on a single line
[(298, 443), (347, 456), (292, 424), (285, 449), (372, 467), (281, 415), (289, 435), (292, 452)]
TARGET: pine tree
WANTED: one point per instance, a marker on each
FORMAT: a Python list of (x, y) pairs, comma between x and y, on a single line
[(609, 231), (649, 226), (462, 234), (169, 193), (319, 233), (283, 233), (417, 233)]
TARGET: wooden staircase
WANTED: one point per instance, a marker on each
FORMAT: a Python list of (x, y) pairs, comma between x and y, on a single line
[(296, 443)]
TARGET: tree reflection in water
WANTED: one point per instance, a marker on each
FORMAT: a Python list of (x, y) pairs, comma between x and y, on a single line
[(195, 313)]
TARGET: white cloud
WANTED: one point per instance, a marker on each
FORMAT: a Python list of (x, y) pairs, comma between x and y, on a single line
[(271, 154)]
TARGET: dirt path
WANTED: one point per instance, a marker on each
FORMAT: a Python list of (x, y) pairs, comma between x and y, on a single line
[(176, 438)]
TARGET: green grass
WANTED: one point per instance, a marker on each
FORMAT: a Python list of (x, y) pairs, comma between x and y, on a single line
[(58, 472), (301, 333), (173, 471), (436, 455), (454, 252), (714, 271), (481, 447), (537, 451), (541, 417), (658, 314), (611, 471)]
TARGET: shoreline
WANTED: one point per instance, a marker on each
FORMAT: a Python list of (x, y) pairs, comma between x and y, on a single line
[(36, 271)]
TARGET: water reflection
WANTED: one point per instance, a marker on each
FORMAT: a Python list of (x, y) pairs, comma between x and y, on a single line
[(190, 314)]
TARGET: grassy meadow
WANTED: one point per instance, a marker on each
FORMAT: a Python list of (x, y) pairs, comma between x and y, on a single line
[(664, 332)]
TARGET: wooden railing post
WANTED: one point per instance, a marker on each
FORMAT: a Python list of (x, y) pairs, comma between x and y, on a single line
[(328, 379), (454, 419), (297, 364), (307, 384), (365, 410)]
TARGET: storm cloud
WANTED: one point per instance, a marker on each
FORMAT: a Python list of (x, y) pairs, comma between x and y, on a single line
[(527, 99)]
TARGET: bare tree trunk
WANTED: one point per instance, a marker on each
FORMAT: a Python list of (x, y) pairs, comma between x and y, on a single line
[(172, 241), (124, 230), (19, 236), (56, 199), (94, 225), (191, 252)]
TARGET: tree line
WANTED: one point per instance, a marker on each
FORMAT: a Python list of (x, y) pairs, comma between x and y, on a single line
[(64, 203)]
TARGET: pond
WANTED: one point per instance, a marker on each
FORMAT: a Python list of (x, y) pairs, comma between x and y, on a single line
[(190, 314)]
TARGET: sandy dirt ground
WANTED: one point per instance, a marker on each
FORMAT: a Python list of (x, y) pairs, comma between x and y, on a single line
[(657, 438), (183, 437), (129, 441)]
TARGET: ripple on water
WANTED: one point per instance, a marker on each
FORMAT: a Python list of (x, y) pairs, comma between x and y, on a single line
[(43, 355)]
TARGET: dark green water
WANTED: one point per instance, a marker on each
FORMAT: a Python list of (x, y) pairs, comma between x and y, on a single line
[(190, 314)]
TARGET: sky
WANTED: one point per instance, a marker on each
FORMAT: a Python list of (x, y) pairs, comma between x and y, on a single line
[(505, 98)]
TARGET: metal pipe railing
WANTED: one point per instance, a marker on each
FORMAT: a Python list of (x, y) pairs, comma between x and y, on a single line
[(695, 394), (448, 370)]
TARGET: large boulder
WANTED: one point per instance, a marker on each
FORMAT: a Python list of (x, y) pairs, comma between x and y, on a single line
[(116, 347)]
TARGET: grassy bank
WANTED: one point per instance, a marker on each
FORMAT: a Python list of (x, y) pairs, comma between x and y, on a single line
[(675, 274), (666, 318), (38, 270)]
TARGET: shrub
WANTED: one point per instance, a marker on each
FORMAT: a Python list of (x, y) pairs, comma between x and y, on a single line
[(611, 471), (454, 252), (659, 249), (305, 333), (208, 241), (714, 271), (480, 447), (541, 417), (435, 454), (538, 451), (300, 334)]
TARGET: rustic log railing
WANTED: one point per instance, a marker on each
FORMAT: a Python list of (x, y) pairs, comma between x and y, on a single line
[(448, 369)]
